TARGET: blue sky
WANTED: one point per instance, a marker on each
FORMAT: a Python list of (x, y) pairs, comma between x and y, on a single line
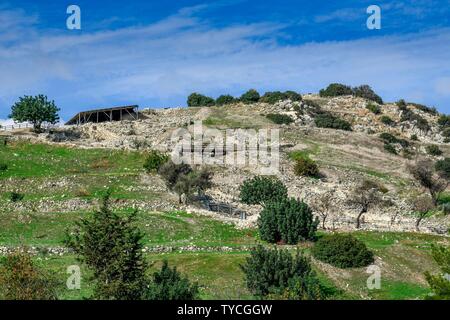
[(154, 53)]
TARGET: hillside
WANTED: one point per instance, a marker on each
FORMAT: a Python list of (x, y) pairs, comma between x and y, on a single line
[(62, 174)]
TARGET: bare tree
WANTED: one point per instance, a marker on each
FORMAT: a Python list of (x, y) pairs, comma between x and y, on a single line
[(422, 205), (423, 172), (364, 197), (323, 205)]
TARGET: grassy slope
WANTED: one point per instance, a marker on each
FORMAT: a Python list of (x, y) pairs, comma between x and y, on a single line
[(403, 257)]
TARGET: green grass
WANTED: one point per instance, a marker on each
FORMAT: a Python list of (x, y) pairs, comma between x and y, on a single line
[(26, 160), (397, 290)]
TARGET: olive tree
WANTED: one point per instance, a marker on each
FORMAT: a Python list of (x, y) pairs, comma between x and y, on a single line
[(35, 109)]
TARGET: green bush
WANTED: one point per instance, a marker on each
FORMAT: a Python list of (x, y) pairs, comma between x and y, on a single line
[(199, 100), (287, 220), (16, 197), (446, 132), (342, 251), (366, 92), (387, 120), (225, 99), (274, 97), (414, 137), (430, 110), (261, 190), (251, 96), (409, 115), (433, 150), (3, 167), (390, 148), (373, 108), (444, 120), (273, 272), (155, 160), (171, 172), (443, 167), (336, 89), (401, 104), (306, 167), (326, 120), (168, 284), (279, 118), (389, 138)]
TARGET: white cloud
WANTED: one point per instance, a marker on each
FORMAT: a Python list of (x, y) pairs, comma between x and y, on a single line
[(161, 63)]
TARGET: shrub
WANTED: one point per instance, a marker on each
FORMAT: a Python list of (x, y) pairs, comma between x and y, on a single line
[(440, 283), (225, 99), (280, 118), (445, 207), (366, 92), (3, 167), (389, 138), (261, 190), (111, 246), (199, 100), (305, 166), (272, 271), (390, 148), (446, 132), (433, 150), (195, 181), (387, 120), (155, 160), (444, 120), (168, 284), (342, 251), (287, 220), (20, 279), (274, 97), (401, 104), (409, 115), (430, 110), (16, 197), (373, 108), (443, 167), (326, 120), (170, 172), (251, 96), (414, 137), (336, 89)]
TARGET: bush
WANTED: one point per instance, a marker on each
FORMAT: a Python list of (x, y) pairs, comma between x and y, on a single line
[(409, 115), (433, 150), (342, 251), (373, 108), (443, 167), (306, 167), (287, 220), (16, 197), (439, 283), (199, 100), (20, 279), (389, 138), (276, 96), (387, 120), (225, 99), (444, 120), (171, 172), (446, 132), (272, 271), (155, 160), (168, 284), (280, 118), (366, 92), (430, 110), (251, 96), (414, 137), (390, 148), (336, 89), (401, 104), (261, 190), (3, 167), (326, 120)]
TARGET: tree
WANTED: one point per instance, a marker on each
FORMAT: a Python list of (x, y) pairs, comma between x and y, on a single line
[(20, 279), (422, 206), (199, 100), (261, 190), (111, 246), (423, 172), (442, 167), (35, 109), (168, 284), (251, 96), (440, 283), (272, 271), (225, 99), (336, 89), (171, 172), (287, 220), (195, 181), (366, 92), (323, 205), (364, 196)]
